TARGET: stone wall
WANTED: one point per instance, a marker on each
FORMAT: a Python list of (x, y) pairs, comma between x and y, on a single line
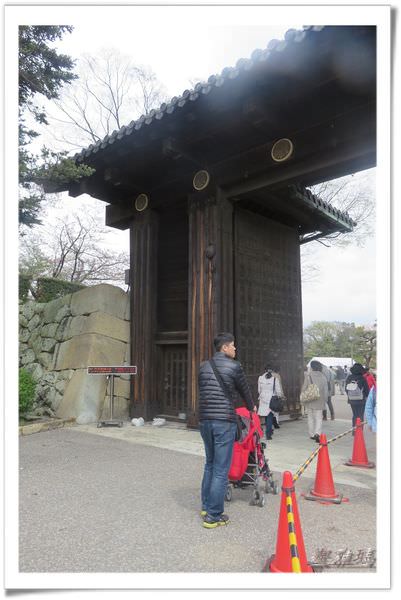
[(60, 339)]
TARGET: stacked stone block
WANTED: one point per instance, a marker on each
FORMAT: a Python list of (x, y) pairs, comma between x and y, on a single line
[(60, 339)]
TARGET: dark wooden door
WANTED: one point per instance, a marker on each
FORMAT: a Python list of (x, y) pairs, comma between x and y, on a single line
[(268, 317), (174, 364)]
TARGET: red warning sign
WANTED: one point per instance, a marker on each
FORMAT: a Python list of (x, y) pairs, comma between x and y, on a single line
[(113, 370)]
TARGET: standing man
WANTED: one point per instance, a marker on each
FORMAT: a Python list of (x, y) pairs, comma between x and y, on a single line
[(218, 424)]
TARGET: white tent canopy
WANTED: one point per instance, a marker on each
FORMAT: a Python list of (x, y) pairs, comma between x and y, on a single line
[(333, 361)]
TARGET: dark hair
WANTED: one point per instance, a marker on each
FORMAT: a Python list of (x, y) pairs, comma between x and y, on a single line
[(221, 339), (316, 365), (357, 369), (269, 368)]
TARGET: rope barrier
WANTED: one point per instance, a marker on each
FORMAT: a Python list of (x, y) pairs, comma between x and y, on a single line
[(295, 563), (308, 461), (306, 464), (337, 437)]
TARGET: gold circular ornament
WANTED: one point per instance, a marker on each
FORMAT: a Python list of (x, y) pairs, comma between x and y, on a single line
[(282, 150), (141, 202), (201, 180)]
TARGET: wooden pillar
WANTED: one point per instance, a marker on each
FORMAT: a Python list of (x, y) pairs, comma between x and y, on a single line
[(210, 282), (143, 277)]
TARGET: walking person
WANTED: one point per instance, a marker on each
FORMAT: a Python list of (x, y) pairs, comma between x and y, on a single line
[(304, 410), (315, 407), (333, 380), (357, 391), (269, 384), (370, 378), (276, 417), (341, 380), (219, 379), (330, 392)]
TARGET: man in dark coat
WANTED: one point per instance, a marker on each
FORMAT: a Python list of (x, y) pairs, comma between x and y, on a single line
[(218, 424), (341, 379)]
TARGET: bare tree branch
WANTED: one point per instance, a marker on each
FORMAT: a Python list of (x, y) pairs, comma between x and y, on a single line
[(73, 250), (111, 90)]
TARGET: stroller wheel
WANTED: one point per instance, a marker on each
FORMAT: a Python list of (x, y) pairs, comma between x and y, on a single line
[(255, 498), (229, 493), (274, 487)]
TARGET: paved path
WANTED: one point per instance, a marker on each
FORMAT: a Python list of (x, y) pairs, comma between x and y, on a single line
[(127, 500), (289, 448)]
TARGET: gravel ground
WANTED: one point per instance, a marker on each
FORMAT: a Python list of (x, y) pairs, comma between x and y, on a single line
[(95, 504)]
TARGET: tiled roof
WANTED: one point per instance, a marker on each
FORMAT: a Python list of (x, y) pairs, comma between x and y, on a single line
[(274, 47), (306, 195)]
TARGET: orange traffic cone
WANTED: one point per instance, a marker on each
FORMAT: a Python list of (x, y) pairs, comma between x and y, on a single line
[(324, 485), (359, 454), (290, 554)]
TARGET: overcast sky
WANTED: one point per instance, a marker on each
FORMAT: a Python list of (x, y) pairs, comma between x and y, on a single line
[(182, 44)]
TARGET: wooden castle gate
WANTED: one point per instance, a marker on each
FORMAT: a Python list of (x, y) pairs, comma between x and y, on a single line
[(213, 187)]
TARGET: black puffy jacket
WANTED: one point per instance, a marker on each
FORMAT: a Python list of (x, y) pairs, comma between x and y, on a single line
[(213, 404)]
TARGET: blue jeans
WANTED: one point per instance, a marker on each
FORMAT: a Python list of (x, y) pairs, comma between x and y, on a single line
[(358, 410), (218, 438), (269, 424)]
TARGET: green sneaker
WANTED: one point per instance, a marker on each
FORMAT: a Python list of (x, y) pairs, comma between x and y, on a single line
[(211, 523), (203, 513)]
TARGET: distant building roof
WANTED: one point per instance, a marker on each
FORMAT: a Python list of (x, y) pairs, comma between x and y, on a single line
[(333, 361)]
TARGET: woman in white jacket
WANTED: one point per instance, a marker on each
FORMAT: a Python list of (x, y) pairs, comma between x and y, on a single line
[(268, 384)]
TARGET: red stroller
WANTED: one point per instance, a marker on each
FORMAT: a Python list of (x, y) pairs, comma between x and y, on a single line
[(249, 467)]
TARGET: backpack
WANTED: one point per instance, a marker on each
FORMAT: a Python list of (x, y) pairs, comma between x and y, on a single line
[(354, 391)]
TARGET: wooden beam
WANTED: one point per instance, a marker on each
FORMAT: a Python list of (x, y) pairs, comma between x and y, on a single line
[(210, 280), (143, 308), (173, 149), (300, 170), (120, 217), (99, 189)]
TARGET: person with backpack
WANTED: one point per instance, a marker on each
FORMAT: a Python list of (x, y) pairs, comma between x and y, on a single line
[(357, 390), (315, 407), (269, 384), (370, 410), (219, 379)]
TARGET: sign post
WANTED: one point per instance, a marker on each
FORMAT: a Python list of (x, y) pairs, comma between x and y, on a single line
[(111, 372)]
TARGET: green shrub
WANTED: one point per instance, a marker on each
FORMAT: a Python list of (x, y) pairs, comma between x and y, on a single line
[(27, 387), (24, 285), (49, 288)]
